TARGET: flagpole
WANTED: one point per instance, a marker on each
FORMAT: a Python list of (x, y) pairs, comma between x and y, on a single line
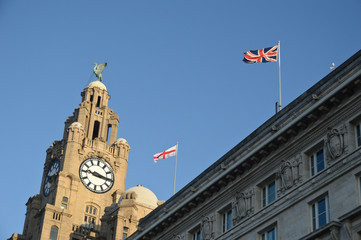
[(279, 75), (175, 167)]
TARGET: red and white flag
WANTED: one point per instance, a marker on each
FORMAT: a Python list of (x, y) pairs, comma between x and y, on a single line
[(170, 152)]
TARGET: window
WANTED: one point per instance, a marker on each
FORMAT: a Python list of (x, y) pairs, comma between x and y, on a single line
[(320, 213), (90, 215), (196, 235), (56, 216), (98, 102), (53, 233), (109, 132), (64, 203), (317, 162), (91, 209), (226, 220), (269, 234), (268, 193), (125, 232), (96, 129), (358, 135)]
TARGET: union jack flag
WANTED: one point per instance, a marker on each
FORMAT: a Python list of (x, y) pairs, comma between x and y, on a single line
[(263, 55)]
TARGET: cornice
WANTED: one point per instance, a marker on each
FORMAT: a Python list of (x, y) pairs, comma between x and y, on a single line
[(356, 212)]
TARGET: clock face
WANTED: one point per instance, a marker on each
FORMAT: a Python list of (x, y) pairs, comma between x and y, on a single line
[(54, 169), (96, 175)]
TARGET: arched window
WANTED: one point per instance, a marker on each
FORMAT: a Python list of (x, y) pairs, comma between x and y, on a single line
[(54, 233)]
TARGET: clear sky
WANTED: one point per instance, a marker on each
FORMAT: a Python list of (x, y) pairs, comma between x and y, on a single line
[(175, 73)]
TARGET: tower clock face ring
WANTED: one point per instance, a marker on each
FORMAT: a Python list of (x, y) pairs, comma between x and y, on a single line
[(96, 175), (54, 169)]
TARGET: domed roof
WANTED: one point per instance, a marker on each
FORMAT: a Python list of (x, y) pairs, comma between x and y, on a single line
[(121, 140), (142, 195), (98, 84), (76, 125)]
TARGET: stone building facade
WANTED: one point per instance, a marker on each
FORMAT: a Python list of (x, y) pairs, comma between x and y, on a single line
[(82, 193), (298, 176)]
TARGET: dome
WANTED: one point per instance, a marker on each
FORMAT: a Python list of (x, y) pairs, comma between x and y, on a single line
[(76, 125), (121, 140), (98, 84), (141, 195)]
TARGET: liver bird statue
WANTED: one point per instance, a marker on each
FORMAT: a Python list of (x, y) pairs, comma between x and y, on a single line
[(98, 70)]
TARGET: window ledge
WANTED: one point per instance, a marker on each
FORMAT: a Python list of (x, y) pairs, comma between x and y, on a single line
[(332, 228)]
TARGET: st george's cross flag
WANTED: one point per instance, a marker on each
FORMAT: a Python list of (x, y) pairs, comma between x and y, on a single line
[(170, 152), (262, 55)]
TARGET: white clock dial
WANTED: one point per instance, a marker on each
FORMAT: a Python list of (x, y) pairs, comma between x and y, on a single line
[(96, 175)]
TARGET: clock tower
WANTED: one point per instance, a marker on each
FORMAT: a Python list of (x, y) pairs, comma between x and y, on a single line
[(84, 174)]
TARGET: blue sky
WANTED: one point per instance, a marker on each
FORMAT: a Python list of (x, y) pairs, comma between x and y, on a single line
[(175, 73)]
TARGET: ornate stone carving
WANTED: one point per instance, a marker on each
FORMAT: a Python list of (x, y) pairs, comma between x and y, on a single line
[(179, 237), (297, 165), (286, 175), (242, 205), (290, 174), (335, 143), (334, 233), (207, 228)]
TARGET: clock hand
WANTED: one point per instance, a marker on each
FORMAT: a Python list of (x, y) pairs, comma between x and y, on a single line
[(96, 174)]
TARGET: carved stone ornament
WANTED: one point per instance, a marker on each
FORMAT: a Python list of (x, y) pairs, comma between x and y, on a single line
[(207, 228), (335, 143), (297, 165), (290, 174), (242, 205), (334, 233), (286, 175), (179, 237)]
